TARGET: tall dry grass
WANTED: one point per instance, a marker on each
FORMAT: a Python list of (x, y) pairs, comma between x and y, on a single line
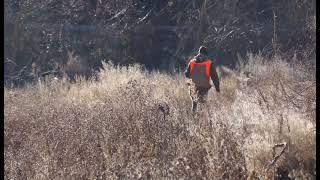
[(134, 124)]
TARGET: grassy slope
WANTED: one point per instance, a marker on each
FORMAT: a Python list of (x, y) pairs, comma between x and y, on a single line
[(135, 124)]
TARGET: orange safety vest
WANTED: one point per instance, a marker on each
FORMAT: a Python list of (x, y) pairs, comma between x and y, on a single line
[(200, 73)]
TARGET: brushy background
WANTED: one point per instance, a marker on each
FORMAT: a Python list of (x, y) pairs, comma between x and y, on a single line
[(133, 124)]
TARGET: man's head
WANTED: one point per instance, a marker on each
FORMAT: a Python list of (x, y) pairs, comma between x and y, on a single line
[(203, 50)]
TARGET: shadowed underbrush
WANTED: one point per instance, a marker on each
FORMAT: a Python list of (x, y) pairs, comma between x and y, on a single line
[(135, 124)]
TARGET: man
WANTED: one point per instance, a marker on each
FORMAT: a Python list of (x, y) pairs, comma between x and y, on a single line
[(200, 70)]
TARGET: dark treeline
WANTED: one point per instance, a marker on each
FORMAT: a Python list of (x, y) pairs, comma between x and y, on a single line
[(55, 36)]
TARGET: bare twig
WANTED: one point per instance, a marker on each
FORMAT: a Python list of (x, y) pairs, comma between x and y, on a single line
[(10, 61), (145, 17), (263, 98)]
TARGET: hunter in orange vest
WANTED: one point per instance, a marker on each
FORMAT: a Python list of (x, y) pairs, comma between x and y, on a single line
[(200, 70)]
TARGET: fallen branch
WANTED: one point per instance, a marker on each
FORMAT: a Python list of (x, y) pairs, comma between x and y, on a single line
[(275, 158)]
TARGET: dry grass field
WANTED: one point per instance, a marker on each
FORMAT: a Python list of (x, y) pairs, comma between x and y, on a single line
[(134, 124)]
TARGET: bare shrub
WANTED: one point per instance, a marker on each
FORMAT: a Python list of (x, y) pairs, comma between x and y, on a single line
[(75, 66), (135, 124), (284, 94)]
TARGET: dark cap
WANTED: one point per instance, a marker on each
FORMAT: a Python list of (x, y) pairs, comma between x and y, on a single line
[(203, 50)]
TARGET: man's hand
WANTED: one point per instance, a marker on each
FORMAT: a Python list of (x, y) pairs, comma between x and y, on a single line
[(217, 87), (187, 74)]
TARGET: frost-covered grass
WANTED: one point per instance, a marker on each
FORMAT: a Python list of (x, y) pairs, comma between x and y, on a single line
[(135, 124)]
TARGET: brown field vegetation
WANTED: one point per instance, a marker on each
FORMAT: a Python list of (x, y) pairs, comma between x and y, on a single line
[(134, 124)]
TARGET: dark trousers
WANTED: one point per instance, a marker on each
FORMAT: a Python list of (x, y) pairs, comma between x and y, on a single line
[(198, 95)]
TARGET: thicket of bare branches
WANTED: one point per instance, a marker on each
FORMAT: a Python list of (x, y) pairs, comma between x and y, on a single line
[(157, 33)]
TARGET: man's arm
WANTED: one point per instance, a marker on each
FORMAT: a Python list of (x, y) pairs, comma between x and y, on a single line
[(187, 71), (215, 78)]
